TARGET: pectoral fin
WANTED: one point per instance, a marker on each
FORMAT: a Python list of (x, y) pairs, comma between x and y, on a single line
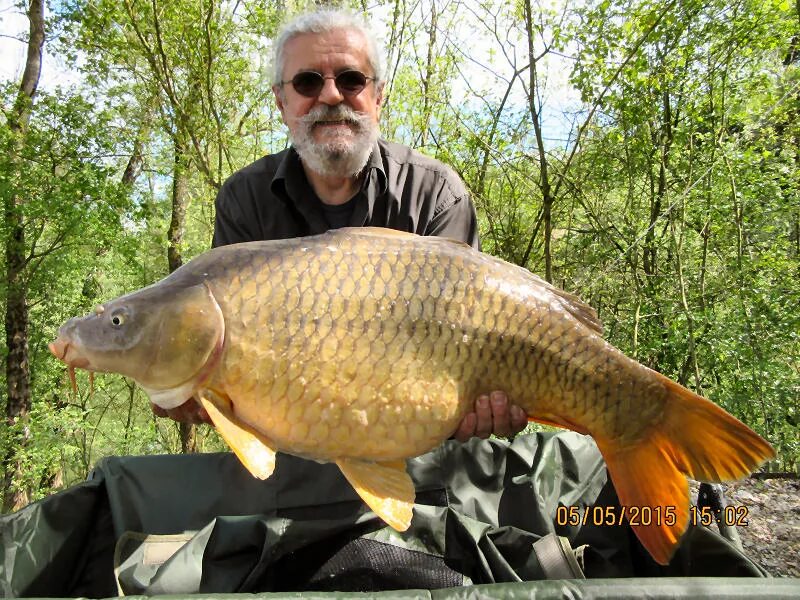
[(254, 450), (385, 487)]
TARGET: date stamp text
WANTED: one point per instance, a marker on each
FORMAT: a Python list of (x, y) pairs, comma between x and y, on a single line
[(648, 515)]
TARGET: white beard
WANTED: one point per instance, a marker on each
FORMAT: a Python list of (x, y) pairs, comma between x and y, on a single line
[(343, 157)]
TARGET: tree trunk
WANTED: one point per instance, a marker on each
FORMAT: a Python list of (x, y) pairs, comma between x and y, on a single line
[(177, 228), (18, 391), (134, 167), (430, 72), (180, 189), (544, 177), (666, 136), (480, 188)]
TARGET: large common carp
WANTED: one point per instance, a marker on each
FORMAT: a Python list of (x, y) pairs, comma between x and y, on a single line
[(365, 347)]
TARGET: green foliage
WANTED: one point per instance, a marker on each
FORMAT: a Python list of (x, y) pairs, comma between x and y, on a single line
[(697, 153)]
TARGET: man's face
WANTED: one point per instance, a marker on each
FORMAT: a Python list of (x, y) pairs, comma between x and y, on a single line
[(333, 133)]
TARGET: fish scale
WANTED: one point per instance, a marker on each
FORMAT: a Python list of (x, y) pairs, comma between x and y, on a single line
[(441, 341), (365, 347)]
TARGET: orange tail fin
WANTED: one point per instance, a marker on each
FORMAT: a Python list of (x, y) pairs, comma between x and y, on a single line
[(696, 439)]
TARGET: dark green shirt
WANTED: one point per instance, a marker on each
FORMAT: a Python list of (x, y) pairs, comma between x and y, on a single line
[(402, 189)]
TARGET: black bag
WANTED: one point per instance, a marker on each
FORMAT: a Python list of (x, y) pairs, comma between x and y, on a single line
[(486, 512)]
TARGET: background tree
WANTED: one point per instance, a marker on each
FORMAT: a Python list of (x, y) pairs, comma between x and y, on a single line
[(18, 400), (187, 59)]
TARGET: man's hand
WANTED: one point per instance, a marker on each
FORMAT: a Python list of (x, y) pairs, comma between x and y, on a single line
[(188, 412), (492, 415)]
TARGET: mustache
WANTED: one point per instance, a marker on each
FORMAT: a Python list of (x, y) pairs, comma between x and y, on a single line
[(339, 112)]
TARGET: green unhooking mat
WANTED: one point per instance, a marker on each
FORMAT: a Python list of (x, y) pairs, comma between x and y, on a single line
[(485, 513)]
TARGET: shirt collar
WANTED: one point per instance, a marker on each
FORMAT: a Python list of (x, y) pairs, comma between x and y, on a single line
[(375, 171), (289, 183), (375, 175), (278, 183)]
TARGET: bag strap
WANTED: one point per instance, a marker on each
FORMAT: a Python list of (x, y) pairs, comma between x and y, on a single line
[(556, 558)]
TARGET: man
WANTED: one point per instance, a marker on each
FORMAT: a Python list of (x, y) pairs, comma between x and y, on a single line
[(328, 87)]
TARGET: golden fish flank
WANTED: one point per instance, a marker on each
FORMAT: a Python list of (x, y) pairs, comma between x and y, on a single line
[(366, 347)]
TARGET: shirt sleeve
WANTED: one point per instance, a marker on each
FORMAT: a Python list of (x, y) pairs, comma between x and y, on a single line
[(455, 216), (229, 222)]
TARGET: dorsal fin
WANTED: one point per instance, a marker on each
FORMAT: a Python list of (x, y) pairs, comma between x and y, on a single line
[(575, 306), (387, 232), (374, 232)]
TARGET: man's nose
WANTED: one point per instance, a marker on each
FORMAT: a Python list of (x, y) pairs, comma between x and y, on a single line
[(330, 94)]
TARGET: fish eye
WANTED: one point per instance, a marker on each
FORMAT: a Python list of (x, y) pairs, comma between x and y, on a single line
[(118, 318)]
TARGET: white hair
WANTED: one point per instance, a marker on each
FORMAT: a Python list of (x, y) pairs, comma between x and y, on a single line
[(322, 21)]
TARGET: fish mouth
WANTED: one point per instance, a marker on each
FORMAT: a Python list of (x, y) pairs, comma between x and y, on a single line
[(60, 349), (69, 354)]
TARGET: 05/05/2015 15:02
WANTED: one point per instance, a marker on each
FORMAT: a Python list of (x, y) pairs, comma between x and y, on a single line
[(648, 515)]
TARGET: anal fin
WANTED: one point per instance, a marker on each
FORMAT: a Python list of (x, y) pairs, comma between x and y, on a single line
[(558, 421), (254, 450), (385, 487)]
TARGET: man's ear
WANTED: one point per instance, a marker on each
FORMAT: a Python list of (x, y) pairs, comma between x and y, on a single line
[(276, 89)]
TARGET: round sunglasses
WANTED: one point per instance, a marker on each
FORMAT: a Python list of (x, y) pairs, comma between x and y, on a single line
[(310, 83)]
